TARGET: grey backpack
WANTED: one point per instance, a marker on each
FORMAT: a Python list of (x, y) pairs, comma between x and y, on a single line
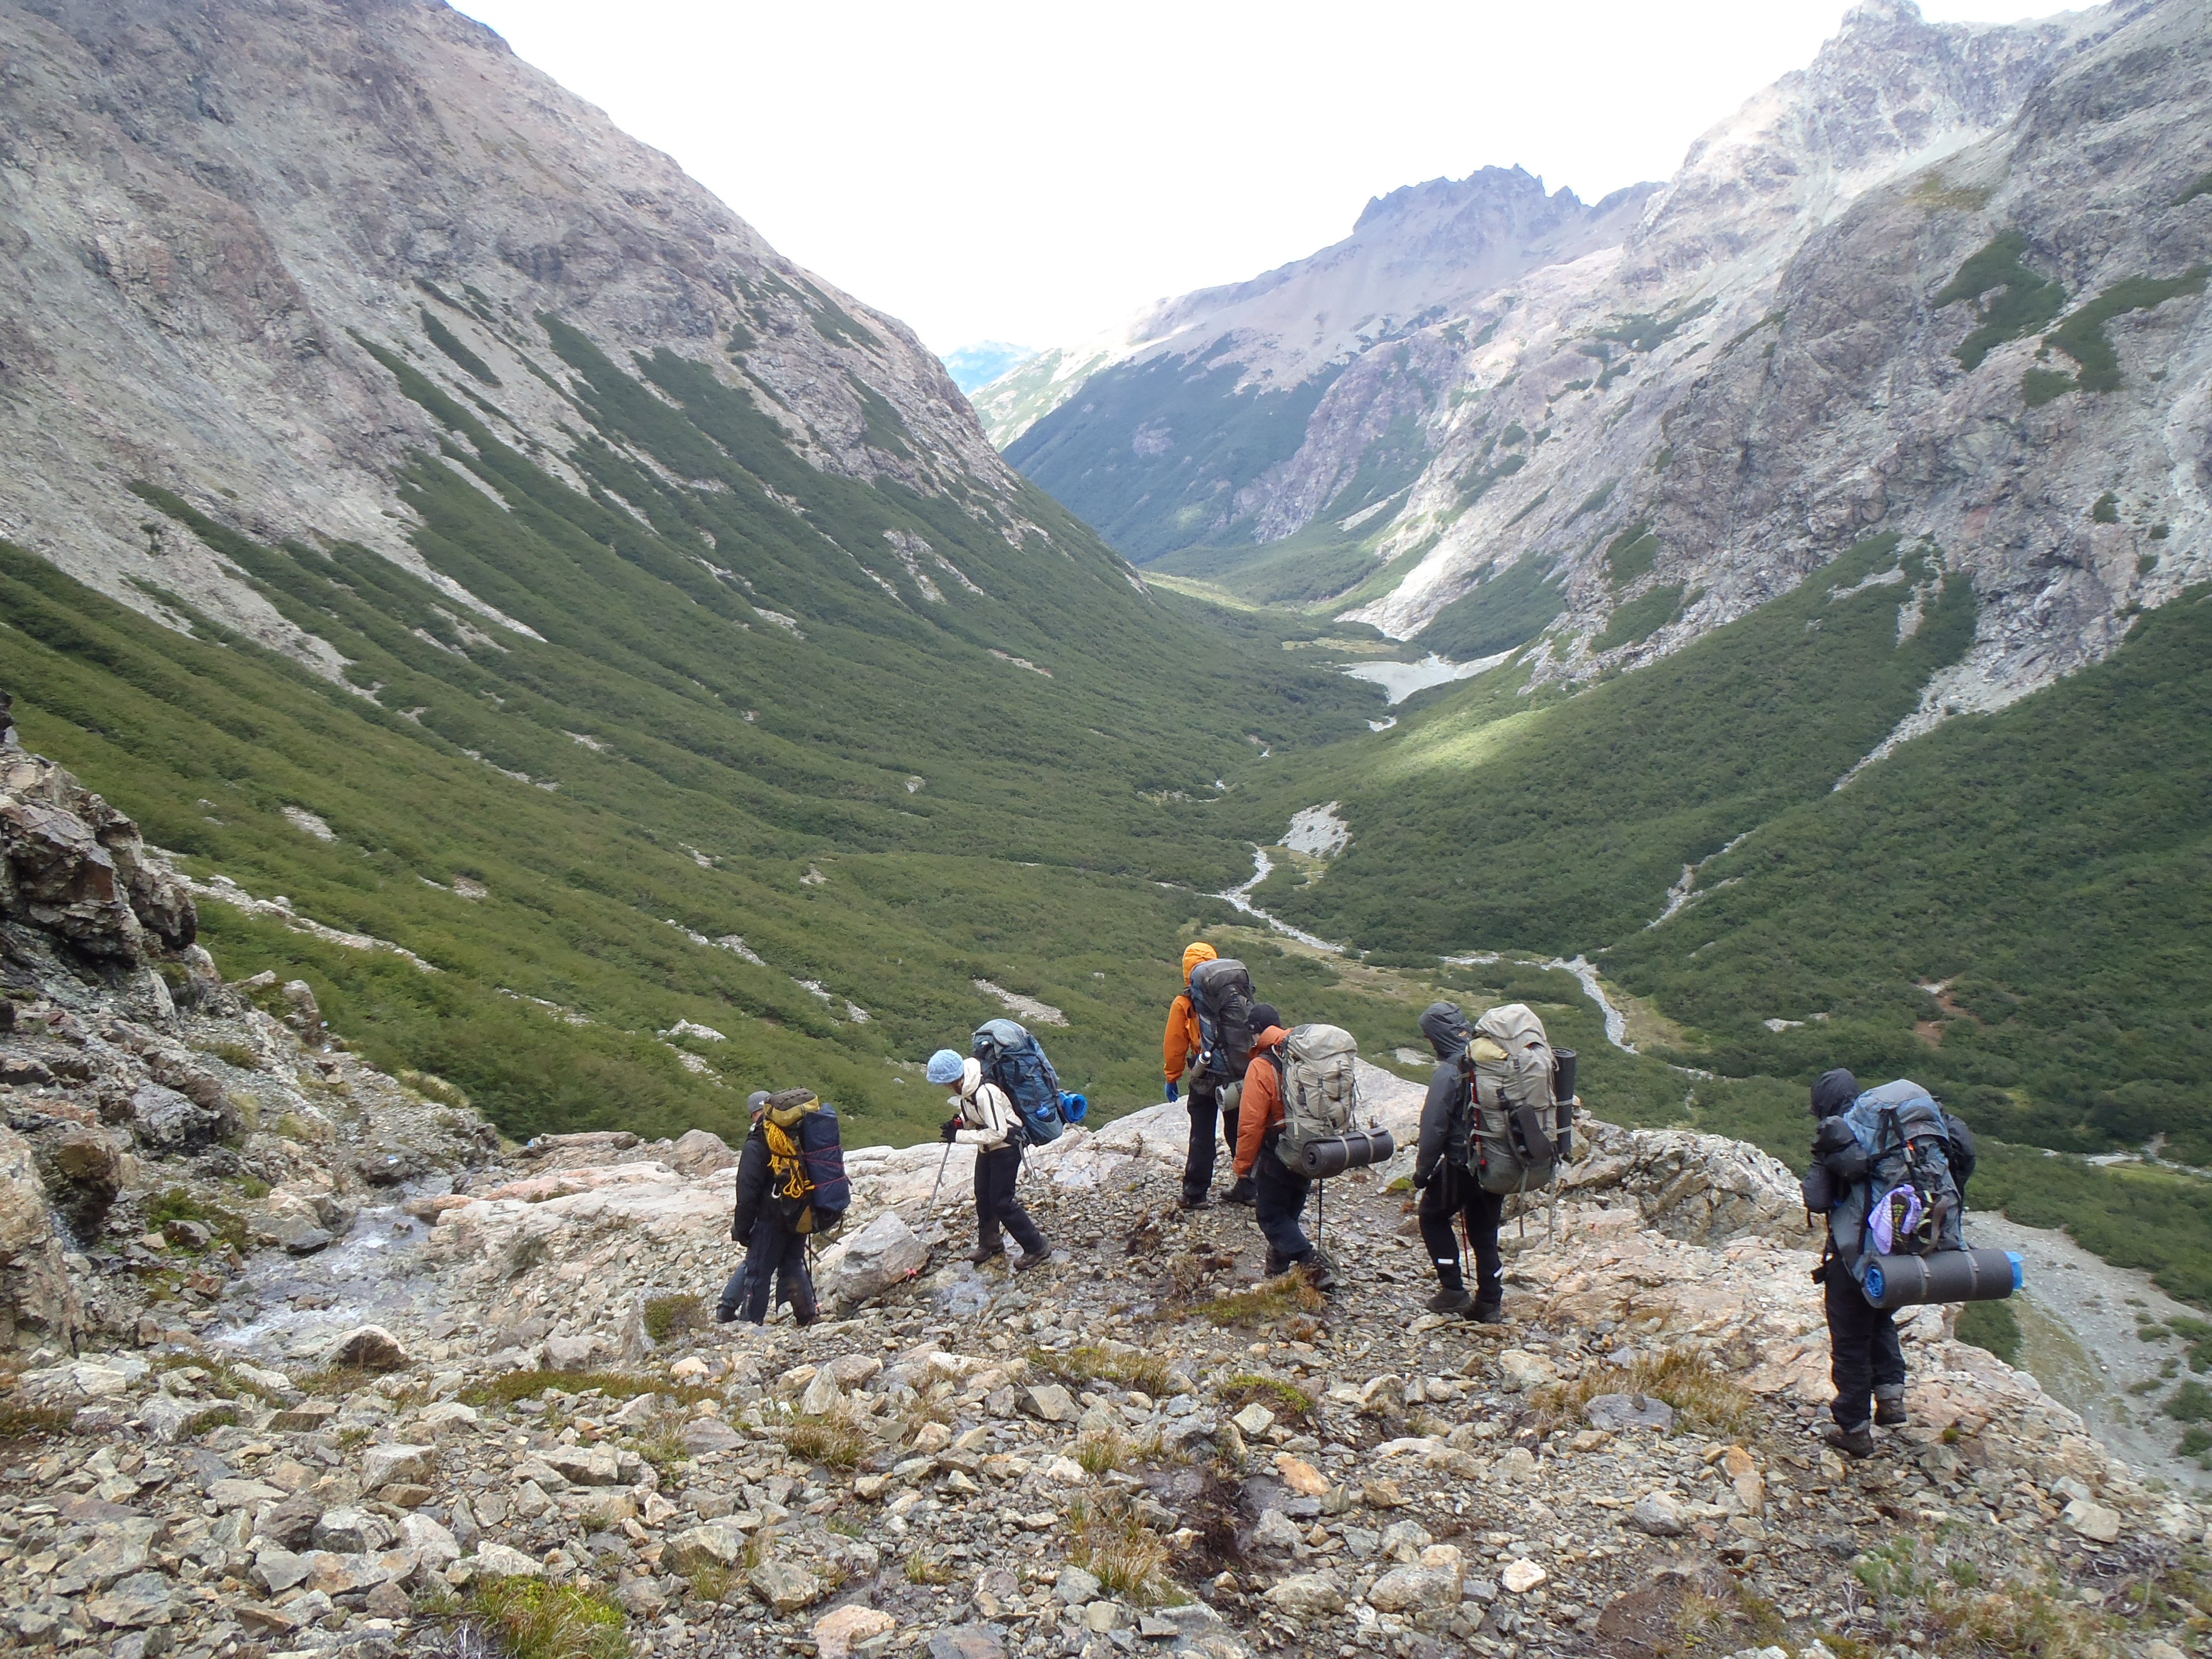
[(1321, 1090), (1516, 1119)]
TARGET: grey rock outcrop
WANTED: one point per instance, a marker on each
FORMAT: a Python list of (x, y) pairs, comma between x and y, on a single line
[(73, 866)]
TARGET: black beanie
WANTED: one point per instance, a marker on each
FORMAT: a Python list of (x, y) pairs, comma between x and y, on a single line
[(1264, 1014), (1834, 1092)]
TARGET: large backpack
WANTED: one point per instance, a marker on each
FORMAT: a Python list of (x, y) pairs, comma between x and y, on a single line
[(1221, 997), (1321, 1090), (1514, 1124), (1902, 1196), (1015, 1060)]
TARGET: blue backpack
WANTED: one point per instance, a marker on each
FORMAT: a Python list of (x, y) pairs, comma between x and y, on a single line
[(1903, 1197), (1015, 1060)]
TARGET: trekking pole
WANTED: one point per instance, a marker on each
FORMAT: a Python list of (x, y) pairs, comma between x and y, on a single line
[(941, 1163)]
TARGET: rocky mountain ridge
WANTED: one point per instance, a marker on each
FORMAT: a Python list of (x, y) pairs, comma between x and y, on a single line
[(221, 213), (1780, 356), (210, 1450)]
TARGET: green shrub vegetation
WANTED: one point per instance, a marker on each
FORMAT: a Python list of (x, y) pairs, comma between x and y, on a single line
[(2028, 303), (730, 761), (2201, 186), (1640, 617), (2038, 386), (1991, 1326), (454, 347), (2083, 337), (1509, 609)]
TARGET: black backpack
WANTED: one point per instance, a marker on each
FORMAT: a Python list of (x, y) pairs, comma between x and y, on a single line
[(1221, 996)]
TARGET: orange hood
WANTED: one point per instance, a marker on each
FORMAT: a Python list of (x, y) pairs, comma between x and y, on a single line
[(1193, 954)]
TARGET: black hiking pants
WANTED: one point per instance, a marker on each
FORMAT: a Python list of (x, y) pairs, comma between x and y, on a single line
[(1279, 1200), (1206, 1118), (1454, 1195), (777, 1255), (996, 1206), (1863, 1354)]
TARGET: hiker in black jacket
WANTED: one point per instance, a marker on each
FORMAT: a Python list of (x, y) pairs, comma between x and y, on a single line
[(1443, 1172), (1864, 1356), (752, 1187), (799, 1190)]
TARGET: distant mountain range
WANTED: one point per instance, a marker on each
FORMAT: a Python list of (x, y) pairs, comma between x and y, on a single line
[(1946, 279)]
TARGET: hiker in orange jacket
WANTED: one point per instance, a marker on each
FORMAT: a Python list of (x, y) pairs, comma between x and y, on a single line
[(1179, 1048), (1279, 1195)]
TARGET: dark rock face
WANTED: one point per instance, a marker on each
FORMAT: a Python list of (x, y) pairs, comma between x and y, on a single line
[(72, 865)]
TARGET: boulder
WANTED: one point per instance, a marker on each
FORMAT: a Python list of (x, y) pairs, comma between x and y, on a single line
[(1075, 1585), (785, 1586), (1704, 1188), (1618, 1411), (369, 1348), (501, 1561), (1053, 1403), (713, 1545), (836, 1634), (1523, 1575), (385, 1465), (701, 1152), (1415, 1589), (883, 1254), (1519, 1371), (36, 1296), (1659, 1514), (2092, 1521), (1307, 1595)]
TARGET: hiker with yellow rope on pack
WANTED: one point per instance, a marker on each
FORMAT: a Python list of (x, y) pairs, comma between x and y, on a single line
[(791, 1186)]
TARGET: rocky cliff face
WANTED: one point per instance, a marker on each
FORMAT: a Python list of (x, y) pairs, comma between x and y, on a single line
[(215, 213), (1790, 350)]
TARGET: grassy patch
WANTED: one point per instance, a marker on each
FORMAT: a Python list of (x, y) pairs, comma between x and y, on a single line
[(436, 1088), (1098, 1453), (1510, 608), (1285, 1399), (21, 1420), (1146, 1372), (666, 1316), (234, 1053), (1276, 1298), (836, 1438), (533, 1618), (926, 1566), (1705, 1401), (2039, 386), (178, 1205), (1127, 1557)]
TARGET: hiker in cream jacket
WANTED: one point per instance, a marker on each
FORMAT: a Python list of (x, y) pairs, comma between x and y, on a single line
[(984, 1117)]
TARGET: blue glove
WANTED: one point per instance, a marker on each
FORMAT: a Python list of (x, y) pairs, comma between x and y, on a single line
[(1171, 1091)]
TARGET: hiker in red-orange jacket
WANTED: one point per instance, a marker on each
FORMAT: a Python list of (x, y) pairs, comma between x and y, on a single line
[(1279, 1193)]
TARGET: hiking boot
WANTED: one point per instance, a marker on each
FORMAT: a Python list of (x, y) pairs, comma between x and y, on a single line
[(1320, 1271), (1889, 1408), (1856, 1442), (984, 1253), (1489, 1313), (725, 1316), (1240, 1192), (1029, 1259), (1187, 1202), (1451, 1299), (1276, 1266)]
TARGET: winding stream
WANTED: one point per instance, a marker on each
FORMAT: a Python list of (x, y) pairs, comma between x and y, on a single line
[(1616, 1022)]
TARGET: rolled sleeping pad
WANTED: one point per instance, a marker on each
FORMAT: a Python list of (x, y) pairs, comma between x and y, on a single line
[(1900, 1281), (1562, 1090), (1073, 1107), (1334, 1156)]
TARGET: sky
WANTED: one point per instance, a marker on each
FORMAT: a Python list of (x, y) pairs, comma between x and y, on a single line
[(1034, 172)]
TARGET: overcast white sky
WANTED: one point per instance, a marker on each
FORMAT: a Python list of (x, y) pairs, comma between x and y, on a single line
[(1034, 171)]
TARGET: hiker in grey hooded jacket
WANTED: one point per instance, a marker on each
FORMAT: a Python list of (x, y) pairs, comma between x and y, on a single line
[(986, 1119), (1450, 1189)]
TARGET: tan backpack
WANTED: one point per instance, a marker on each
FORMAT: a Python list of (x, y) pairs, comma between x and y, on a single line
[(1517, 1123)]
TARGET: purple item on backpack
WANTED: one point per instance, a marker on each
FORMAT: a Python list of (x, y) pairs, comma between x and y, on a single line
[(1896, 1213)]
